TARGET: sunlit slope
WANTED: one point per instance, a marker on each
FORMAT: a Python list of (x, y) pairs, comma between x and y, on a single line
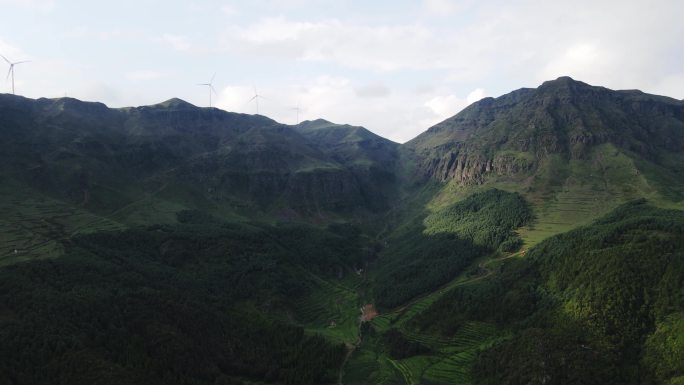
[(573, 150)]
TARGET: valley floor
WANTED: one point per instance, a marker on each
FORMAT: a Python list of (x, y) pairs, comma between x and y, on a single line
[(449, 359)]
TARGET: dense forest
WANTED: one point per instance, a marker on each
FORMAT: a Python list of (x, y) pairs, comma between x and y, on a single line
[(192, 303), (600, 304), (507, 245), (432, 249)]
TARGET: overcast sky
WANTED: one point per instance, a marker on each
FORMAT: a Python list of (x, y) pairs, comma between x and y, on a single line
[(394, 66)]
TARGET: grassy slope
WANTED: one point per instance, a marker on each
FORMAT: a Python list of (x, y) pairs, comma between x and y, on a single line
[(568, 194)]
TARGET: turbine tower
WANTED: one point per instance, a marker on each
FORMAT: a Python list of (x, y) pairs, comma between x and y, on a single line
[(297, 109), (256, 98), (211, 87), (11, 69)]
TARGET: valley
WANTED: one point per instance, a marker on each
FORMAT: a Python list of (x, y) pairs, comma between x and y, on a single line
[(532, 238)]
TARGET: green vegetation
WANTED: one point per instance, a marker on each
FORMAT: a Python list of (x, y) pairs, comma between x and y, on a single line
[(426, 254), (601, 290), (664, 350), (140, 165), (171, 244), (395, 344), (600, 304), (488, 219), (433, 359), (499, 301), (200, 302)]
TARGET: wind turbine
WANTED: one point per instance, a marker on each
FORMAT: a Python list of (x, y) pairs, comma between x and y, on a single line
[(256, 98), (11, 69), (211, 87), (297, 109)]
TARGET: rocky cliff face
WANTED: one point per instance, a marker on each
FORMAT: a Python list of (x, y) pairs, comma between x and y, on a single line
[(509, 135), (371, 160), (466, 168)]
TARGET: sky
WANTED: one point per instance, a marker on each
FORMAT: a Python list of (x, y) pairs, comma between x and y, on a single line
[(396, 67)]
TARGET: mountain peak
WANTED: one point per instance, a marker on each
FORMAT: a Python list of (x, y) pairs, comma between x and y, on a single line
[(316, 124), (175, 103), (563, 82)]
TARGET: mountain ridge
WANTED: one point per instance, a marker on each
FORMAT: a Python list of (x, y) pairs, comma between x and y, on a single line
[(178, 244), (538, 141)]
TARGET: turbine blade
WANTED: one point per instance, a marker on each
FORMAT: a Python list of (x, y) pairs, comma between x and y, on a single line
[(253, 97), (23, 61), (8, 62), (9, 72), (212, 78), (213, 90)]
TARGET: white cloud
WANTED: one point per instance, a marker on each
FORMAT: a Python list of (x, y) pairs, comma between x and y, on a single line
[(398, 115), (441, 7), (101, 92), (38, 5), (526, 40), (328, 97), (177, 42), (443, 107), (235, 98), (475, 95), (395, 72), (11, 52), (446, 106), (229, 10), (118, 34), (581, 61), (139, 75), (352, 45), (373, 91)]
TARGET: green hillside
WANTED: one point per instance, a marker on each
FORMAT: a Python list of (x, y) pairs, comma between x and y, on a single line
[(201, 302), (565, 145), (532, 238), (69, 166)]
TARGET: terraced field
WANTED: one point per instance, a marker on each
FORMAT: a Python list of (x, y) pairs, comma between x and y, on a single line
[(332, 310), (567, 194), (34, 227), (450, 359), (449, 362), (576, 193), (456, 354), (566, 210)]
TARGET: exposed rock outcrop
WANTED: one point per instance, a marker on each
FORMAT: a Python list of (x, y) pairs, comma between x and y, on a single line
[(510, 135)]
